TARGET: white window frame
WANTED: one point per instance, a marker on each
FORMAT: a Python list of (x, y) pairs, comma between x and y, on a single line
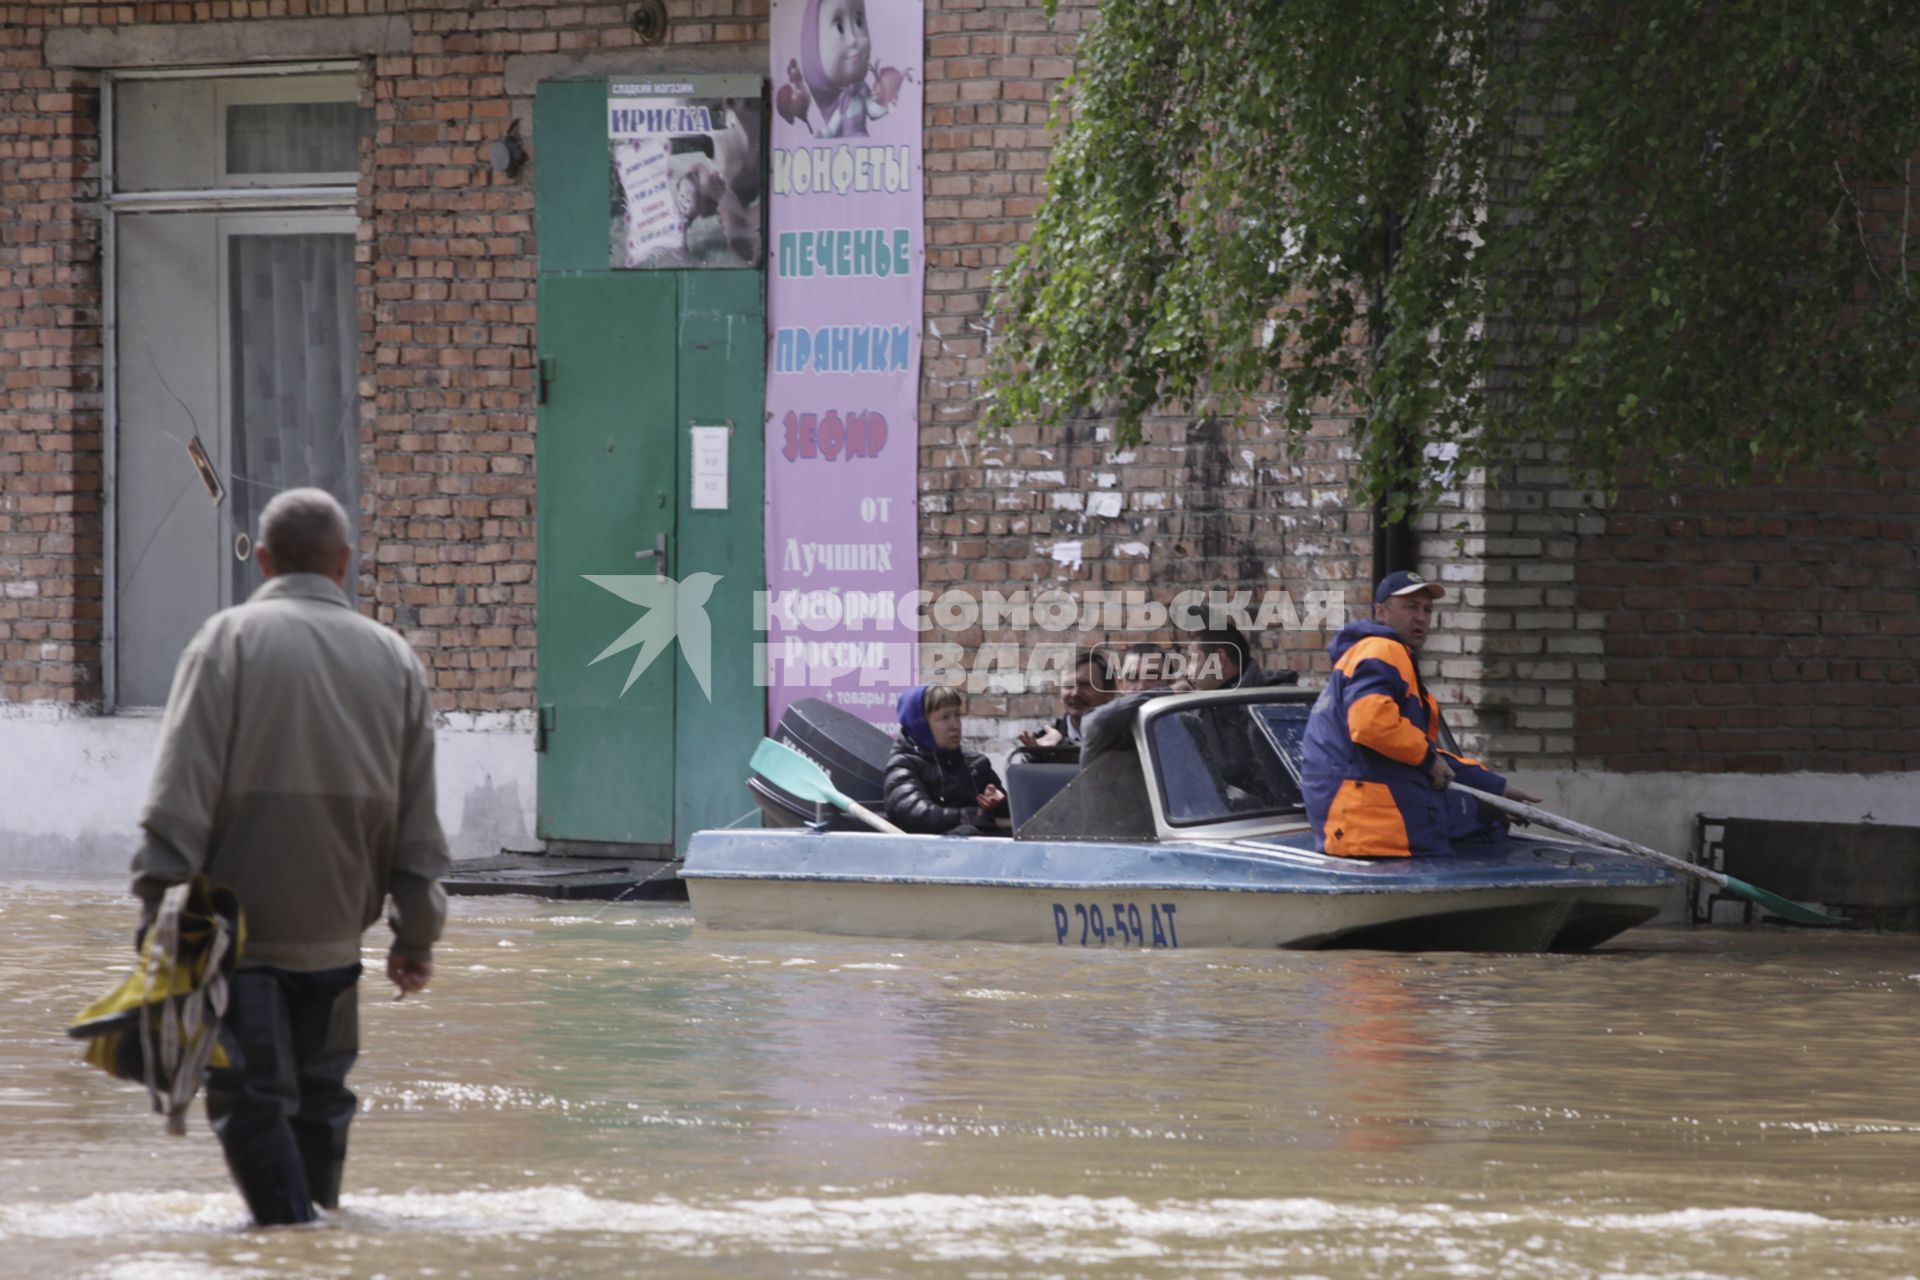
[(300, 193), (260, 91)]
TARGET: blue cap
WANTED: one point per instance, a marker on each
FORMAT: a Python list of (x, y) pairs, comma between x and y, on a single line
[(1405, 583)]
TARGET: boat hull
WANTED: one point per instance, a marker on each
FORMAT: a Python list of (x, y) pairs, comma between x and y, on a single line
[(1539, 896)]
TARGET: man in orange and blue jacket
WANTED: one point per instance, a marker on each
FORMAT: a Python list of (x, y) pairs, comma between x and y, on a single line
[(1374, 774)]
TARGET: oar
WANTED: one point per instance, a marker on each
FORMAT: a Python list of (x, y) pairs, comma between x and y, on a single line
[(800, 777), (1786, 908)]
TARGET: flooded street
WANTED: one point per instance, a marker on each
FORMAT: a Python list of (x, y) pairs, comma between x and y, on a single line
[(604, 1090)]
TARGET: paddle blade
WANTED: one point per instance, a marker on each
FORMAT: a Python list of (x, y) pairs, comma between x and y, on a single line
[(794, 774), (1785, 908)]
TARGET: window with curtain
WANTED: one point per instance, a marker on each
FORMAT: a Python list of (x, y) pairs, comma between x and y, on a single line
[(293, 343)]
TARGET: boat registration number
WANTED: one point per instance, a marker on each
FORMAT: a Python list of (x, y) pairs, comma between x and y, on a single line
[(1115, 924)]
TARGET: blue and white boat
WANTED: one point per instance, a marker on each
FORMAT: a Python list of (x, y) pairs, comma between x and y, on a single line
[(1191, 834)]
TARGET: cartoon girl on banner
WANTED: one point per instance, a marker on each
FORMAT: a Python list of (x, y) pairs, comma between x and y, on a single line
[(836, 53)]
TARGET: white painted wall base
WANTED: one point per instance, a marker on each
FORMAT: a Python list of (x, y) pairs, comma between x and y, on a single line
[(71, 787), (1658, 809)]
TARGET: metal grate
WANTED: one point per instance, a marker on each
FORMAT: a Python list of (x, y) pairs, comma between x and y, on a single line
[(1708, 903)]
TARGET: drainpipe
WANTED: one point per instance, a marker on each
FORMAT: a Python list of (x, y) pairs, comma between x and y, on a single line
[(1394, 545)]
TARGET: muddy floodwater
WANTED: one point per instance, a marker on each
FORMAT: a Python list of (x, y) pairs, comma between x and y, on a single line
[(606, 1090)]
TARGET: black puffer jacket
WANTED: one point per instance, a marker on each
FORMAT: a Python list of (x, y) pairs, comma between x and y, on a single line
[(932, 792)]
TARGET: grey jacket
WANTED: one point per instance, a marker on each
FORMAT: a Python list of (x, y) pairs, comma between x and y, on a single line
[(296, 767)]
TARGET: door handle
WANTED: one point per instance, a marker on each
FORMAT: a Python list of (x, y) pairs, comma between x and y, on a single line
[(658, 555)]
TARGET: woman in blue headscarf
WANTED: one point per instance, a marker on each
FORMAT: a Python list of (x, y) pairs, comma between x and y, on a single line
[(932, 785)]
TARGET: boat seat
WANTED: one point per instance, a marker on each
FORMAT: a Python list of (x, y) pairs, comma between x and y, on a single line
[(1105, 800), (1031, 784)]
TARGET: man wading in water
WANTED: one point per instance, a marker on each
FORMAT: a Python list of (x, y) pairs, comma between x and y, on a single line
[(296, 767)]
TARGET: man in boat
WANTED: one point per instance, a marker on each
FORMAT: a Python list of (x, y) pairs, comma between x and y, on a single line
[(1143, 667), (296, 768), (1221, 658), (1089, 687), (1373, 771)]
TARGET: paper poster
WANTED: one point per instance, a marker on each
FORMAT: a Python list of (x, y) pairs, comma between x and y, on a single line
[(844, 297), (688, 170), (708, 456)]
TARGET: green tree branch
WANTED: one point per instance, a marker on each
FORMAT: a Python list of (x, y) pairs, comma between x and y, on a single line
[(1671, 232)]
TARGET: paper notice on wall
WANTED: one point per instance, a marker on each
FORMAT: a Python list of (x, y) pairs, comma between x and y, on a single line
[(652, 225), (710, 467)]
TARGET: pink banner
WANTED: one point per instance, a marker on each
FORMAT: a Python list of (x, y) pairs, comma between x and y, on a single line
[(848, 260)]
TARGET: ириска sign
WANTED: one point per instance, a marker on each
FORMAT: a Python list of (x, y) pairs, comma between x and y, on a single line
[(688, 170)]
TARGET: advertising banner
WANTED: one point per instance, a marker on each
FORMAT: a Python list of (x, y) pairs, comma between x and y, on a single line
[(687, 171), (844, 297)]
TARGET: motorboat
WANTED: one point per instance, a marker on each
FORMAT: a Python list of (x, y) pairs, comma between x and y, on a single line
[(1183, 827)]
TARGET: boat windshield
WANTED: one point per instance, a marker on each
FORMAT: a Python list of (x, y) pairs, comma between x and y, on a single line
[(1228, 762)]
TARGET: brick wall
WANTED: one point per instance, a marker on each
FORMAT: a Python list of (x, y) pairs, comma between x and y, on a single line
[(1196, 505), (1770, 628), (447, 355), (448, 366), (447, 282), (50, 361), (446, 278), (1513, 642), (1765, 629), (1636, 635)]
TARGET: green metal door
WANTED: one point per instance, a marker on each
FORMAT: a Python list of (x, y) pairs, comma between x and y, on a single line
[(723, 355), (606, 613), (648, 686)]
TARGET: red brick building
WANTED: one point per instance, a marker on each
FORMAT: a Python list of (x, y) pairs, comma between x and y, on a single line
[(1746, 651)]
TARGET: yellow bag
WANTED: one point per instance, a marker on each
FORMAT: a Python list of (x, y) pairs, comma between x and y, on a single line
[(161, 1026)]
